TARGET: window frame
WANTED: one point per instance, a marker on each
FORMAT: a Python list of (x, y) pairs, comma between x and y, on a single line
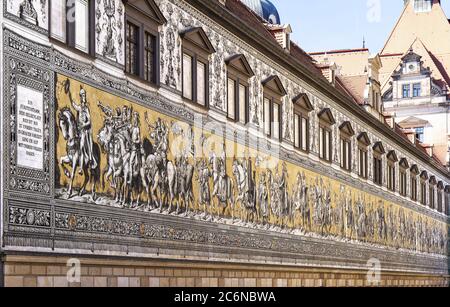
[(414, 173), (145, 25), (302, 110), (241, 75), (363, 155), (432, 192), (199, 54), (408, 91), (70, 29), (346, 134), (419, 93), (273, 91), (326, 123), (423, 188), (378, 152)]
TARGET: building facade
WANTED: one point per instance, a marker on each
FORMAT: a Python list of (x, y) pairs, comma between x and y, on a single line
[(188, 143), (414, 77)]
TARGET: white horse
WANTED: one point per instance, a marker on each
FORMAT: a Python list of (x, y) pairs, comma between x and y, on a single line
[(69, 130)]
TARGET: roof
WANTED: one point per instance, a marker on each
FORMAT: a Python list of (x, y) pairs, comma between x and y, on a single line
[(340, 51), (356, 85), (342, 85)]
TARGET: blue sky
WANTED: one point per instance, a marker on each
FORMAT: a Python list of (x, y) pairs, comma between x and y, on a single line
[(341, 24)]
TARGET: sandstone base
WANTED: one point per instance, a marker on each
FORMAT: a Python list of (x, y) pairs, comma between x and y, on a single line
[(51, 271)]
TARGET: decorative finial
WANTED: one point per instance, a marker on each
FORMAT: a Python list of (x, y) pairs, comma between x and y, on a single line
[(364, 42)]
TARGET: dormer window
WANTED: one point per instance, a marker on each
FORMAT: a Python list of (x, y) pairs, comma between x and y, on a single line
[(239, 74), (273, 96), (196, 51), (326, 122), (302, 108)]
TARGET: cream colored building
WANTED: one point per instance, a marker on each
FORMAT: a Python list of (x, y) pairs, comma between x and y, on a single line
[(414, 75)]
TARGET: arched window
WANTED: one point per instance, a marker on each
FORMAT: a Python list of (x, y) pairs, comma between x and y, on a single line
[(432, 196)]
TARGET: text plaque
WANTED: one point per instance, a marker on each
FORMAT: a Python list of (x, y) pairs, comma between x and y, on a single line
[(30, 127)]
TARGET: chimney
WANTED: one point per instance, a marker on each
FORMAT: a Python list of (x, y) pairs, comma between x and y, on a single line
[(390, 120), (329, 71), (411, 134), (429, 149), (282, 34)]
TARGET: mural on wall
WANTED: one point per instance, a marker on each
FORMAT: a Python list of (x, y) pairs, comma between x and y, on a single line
[(31, 11), (109, 24), (112, 152)]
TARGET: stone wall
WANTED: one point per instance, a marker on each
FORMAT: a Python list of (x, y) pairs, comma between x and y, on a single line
[(34, 271)]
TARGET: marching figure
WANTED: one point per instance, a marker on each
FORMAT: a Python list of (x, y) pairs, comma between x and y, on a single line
[(84, 130)]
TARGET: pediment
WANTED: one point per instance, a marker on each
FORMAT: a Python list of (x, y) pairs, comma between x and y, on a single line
[(303, 102), (239, 62), (198, 38), (347, 128), (378, 147), (392, 156), (433, 180), (424, 175), (148, 8), (415, 169), (404, 163), (327, 116), (363, 137), (413, 122), (274, 84)]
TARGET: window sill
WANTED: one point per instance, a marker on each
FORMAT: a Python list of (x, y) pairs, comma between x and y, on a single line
[(195, 104), (61, 44), (143, 81)]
